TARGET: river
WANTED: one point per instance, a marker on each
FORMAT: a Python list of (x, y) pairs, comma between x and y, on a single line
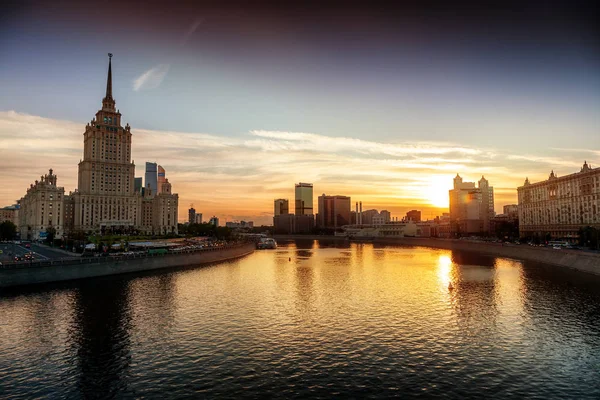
[(310, 319)]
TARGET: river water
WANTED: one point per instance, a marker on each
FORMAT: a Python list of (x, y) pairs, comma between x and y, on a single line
[(308, 320)]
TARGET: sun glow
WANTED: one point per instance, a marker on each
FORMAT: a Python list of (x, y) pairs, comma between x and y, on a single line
[(435, 190)]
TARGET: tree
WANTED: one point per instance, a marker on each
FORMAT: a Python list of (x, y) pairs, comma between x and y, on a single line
[(8, 230), (51, 233)]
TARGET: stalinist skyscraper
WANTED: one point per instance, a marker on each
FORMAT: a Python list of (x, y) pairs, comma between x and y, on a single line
[(105, 199)]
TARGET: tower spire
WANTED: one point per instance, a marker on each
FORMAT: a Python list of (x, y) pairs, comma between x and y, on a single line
[(109, 79)]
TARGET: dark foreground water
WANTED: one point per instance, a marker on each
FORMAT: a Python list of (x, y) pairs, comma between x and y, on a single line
[(345, 321)]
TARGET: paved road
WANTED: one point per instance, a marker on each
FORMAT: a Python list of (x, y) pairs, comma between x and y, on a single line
[(48, 251), (9, 251)]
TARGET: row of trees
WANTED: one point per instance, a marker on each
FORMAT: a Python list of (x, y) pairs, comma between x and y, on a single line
[(205, 229)]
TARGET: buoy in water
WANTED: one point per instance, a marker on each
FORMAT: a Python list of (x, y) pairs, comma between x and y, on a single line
[(450, 287), (290, 258)]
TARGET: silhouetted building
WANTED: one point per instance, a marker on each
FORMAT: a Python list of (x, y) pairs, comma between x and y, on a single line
[(304, 223), (414, 216), (334, 211), (192, 215), (214, 221), (284, 223)]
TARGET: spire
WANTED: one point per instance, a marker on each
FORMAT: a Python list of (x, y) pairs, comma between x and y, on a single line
[(109, 79), (108, 103)]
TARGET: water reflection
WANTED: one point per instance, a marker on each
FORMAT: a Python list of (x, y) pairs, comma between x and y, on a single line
[(312, 319), (101, 334)]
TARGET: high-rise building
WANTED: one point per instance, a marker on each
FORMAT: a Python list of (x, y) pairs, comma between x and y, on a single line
[(138, 185), (198, 218), (161, 179), (560, 206), (106, 198), (281, 206), (304, 199), (192, 215), (151, 176), (471, 208), (413, 215), (214, 221), (334, 211)]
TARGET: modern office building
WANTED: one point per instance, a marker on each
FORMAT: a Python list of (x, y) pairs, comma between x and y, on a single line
[(198, 218), (151, 177), (471, 207), (281, 206), (304, 199), (560, 206), (161, 179), (192, 215), (334, 211), (138, 185)]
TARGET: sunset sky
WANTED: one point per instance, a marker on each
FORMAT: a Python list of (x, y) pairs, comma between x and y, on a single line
[(239, 103)]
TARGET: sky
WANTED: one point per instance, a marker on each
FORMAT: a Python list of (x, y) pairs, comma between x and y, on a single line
[(239, 102)]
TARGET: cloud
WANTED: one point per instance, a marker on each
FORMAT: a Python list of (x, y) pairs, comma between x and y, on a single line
[(192, 29), (240, 176), (152, 78)]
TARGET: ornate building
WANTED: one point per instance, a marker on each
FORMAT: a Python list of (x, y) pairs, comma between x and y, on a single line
[(106, 199), (42, 209), (560, 206)]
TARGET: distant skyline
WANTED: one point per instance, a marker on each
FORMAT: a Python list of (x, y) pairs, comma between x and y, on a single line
[(239, 104)]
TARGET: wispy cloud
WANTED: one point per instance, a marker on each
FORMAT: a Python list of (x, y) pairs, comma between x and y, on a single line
[(191, 30), (152, 78), (240, 176)]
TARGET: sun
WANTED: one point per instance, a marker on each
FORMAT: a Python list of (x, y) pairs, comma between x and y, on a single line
[(435, 190)]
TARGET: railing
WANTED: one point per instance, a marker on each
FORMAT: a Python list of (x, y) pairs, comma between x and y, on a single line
[(65, 261)]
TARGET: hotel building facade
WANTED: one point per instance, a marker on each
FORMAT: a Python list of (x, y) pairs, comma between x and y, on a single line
[(105, 199), (560, 206)]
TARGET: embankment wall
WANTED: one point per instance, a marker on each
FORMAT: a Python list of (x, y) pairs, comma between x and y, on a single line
[(57, 273)]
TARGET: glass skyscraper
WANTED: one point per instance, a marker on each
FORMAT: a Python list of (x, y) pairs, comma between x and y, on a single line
[(152, 177), (304, 199)]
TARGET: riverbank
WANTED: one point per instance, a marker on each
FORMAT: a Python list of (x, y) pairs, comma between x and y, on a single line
[(574, 259), (94, 267)]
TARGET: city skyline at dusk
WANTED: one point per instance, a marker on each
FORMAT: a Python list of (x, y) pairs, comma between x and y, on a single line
[(387, 118)]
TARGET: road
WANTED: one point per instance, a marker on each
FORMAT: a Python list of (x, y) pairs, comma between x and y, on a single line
[(9, 251)]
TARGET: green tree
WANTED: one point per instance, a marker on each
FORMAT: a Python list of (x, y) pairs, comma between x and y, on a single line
[(8, 230)]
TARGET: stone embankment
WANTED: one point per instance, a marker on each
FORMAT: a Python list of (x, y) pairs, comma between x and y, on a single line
[(80, 268), (576, 259)]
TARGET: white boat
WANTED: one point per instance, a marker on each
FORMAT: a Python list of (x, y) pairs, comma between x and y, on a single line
[(266, 243)]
